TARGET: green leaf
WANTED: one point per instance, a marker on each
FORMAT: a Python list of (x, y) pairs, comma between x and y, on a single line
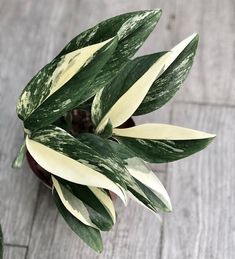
[(159, 143), (120, 99), (107, 131), (18, 161), (103, 149), (89, 235), (132, 169), (128, 89), (132, 30), (1, 243), (90, 205), (123, 25), (147, 189), (63, 155), (165, 87), (62, 84)]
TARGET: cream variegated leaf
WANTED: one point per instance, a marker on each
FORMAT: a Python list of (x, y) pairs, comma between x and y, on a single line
[(105, 200), (159, 143), (145, 186), (140, 171), (132, 29), (63, 84), (90, 205), (80, 171), (161, 131), (73, 204), (71, 63), (129, 101), (47, 82), (91, 236), (119, 155), (166, 86), (131, 85)]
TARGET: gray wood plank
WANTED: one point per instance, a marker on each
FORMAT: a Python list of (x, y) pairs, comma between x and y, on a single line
[(213, 20), (14, 252), (18, 188), (202, 189), (18, 194), (18, 45), (137, 234), (211, 78)]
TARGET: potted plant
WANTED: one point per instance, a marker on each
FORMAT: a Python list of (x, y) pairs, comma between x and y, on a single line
[(79, 135)]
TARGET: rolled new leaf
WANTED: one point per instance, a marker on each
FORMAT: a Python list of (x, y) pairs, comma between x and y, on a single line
[(89, 235), (140, 180), (150, 192), (90, 205), (120, 99), (159, 143), (165, 87), (132, 30), (63, 84), (18, 162), (61, 154)]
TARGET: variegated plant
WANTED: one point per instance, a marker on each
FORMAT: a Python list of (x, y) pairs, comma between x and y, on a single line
[(96, 72)]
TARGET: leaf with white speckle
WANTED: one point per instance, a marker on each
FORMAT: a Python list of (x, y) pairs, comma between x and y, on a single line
[(91, 205), (63, 84), (145, 188), (159, 143), (132, 30), (133, 171), (61, 154), (120, 99), (165, 87)]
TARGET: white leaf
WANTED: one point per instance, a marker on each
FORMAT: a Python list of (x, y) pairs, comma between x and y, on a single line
[(128, 103), (71, 63), (70, 169), (105, 200), (73, 204), (161, 132), (139, 170)]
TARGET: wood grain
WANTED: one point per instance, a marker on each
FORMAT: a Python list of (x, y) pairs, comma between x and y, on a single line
[(12, 252), (51, 237), (211, 78), (202, 189)]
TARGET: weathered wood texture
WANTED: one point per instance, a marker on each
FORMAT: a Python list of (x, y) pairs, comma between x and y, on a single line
[(14, 252), (51, 237), (202, 187)]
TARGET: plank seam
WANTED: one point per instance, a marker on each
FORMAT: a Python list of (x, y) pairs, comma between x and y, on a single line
[(33, 219), (166, 180), (206, 104), (15, 245)]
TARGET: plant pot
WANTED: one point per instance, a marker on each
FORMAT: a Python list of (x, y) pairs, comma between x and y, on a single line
[(80, 123)]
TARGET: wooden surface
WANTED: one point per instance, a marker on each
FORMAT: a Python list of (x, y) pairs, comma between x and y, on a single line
[(202, 187)]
